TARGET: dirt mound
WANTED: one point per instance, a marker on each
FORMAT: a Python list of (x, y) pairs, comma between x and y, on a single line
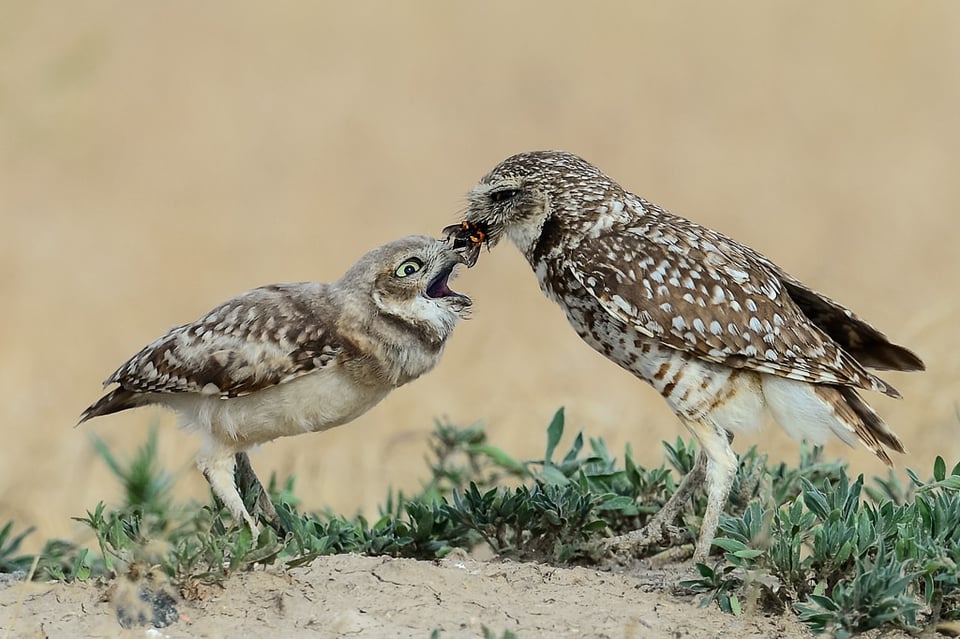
[(349, 595)]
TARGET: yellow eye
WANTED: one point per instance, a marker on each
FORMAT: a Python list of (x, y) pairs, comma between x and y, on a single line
[(409, 267)]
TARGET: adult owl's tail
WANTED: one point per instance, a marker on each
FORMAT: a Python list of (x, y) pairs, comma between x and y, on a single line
[(866, 344)]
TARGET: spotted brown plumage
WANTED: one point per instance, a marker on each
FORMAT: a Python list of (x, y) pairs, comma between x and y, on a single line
[(695, 291), (723, 333), (261, 338), (288, 359)]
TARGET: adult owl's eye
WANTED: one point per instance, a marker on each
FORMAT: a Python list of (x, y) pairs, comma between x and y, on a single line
[(409, 267), (503, 195)]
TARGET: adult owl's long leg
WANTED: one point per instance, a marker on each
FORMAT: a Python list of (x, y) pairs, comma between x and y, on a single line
[(248, 483), (716, 463), (721, 471), (660, 530)]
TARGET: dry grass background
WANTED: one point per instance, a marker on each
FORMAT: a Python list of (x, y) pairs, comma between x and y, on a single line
[(158, 158)]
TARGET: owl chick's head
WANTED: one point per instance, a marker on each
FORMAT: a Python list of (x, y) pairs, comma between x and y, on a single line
[(408, 281), (520, 194)]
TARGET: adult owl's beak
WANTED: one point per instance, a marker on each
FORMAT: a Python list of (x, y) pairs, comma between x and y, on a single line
[(466, 238)]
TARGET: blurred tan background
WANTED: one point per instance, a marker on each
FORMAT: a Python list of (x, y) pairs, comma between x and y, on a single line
[(157, 158)]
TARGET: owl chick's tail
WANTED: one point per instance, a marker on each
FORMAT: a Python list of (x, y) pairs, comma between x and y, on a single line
[(113, 402)]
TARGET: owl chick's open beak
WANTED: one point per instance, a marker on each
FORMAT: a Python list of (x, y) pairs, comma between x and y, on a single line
[(467, 238), (439, 287)]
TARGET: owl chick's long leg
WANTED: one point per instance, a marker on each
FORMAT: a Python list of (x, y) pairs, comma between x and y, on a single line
[(247, 483), (218, 468)]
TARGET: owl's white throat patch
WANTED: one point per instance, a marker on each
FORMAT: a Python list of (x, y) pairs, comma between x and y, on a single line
[(525, 234)]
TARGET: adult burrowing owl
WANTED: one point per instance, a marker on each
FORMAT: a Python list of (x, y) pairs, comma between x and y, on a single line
[(289, 359), (718, 329)]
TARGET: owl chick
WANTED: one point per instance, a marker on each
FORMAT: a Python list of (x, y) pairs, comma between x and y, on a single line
[(289, 359), (720, 331)]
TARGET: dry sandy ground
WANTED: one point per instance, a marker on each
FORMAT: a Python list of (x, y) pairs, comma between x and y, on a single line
[(352, 596), (158, 158)]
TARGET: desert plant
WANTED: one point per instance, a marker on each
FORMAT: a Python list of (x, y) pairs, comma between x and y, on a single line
[(10, 558), (846, 555)]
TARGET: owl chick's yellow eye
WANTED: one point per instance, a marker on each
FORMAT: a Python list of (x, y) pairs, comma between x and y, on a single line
[(409, 267)]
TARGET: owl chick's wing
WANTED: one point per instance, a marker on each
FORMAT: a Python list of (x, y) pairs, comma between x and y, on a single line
[(259, 339), (698, 291)]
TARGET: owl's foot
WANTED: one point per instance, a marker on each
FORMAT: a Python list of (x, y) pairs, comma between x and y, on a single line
[(661, 532), (249, 485), (657, 534)]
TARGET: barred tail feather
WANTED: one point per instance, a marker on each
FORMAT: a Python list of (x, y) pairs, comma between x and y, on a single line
[(873, 431)]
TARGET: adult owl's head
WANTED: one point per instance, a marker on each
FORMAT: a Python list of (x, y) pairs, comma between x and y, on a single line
[(521, 194)]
